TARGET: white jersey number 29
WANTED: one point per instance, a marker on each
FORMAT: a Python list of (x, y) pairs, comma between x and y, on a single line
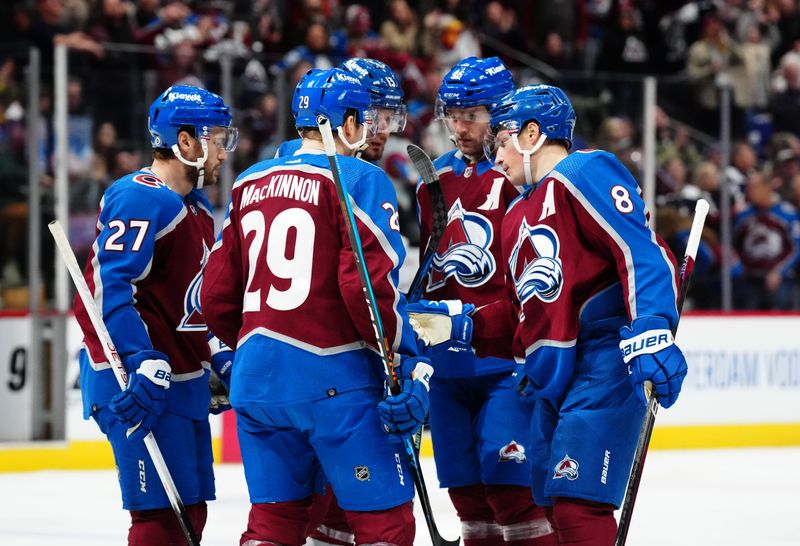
[(297, 269)]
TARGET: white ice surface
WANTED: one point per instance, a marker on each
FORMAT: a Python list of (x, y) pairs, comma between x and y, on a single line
[(715, 497)]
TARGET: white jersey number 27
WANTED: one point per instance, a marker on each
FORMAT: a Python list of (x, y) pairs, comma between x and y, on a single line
[(297, 269)]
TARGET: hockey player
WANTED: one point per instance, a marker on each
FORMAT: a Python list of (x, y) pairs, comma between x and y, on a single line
[(593, 305), (479, 426), (386, 96), (328, 525), (154, 233), (282, 287)]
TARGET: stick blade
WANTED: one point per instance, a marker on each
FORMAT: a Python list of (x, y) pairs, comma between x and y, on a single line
[(423, 163)]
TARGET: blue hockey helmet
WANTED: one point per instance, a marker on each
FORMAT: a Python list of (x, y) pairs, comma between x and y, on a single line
[(331, 93), (473, 82), (384, 90), (189, 106), (547, 105)]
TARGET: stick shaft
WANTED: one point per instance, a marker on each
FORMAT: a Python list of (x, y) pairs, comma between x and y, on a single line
[(646, 432), (369, 296), (110, 351)]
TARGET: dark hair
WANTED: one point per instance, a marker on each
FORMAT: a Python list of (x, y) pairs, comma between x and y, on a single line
[(350, 112), (167, 153)]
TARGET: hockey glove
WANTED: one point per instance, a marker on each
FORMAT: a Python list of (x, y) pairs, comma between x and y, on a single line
[(220, 379), (405, 412), (445, 321), (221, 359), (140, 404), (650, 352)]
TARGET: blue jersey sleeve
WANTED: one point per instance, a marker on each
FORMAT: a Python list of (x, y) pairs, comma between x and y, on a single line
[(606, 191), (374, 204)]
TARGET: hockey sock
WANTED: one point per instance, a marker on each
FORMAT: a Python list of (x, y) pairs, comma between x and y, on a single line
[(319, 507), (581, 522), (198, 513), (160, 527), (523, 523), (334, 529), (393, 526), (284, 523), (478, 527)]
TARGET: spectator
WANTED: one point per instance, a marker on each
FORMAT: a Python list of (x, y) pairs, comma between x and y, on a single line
[(618, 136), (356, 39), (104, 153), (500, 23), (743, 164), (314, 51), (752, 77), (625, 50), (673, 140), (448, 40), (785, 160), (785, 103), (708, 64), (401, 31), (767, 238)]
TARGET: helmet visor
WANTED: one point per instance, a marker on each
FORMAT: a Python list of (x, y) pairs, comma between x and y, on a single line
[(370, 121), (390, 120), (453, 116), (225, 138), (498, 136)]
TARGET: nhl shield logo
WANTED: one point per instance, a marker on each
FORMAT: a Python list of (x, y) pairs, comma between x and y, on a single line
[(566, 468), (512, 451), (361, 473)]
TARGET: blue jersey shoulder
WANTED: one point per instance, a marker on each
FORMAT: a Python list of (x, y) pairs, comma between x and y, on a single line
[(453, 160), (141, 195), (288, 147)]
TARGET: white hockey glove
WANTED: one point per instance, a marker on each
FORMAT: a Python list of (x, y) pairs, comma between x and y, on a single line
[(437, 322)]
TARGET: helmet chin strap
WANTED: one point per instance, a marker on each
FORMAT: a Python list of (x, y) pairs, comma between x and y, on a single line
[(526, 155), (360, 144), (198, 164)]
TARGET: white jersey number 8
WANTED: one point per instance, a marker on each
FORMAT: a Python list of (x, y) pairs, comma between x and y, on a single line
[(297, 269), (622, 199)]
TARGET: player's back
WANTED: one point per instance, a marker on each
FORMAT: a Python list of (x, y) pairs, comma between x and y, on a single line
[(301, 290)]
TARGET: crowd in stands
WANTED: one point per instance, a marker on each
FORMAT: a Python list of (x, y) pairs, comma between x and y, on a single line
[(123, 52)]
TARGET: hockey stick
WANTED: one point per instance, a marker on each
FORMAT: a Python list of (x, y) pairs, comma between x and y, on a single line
[(687, 266), (425, 168), (428, 173), (115, 361), (377, 325)]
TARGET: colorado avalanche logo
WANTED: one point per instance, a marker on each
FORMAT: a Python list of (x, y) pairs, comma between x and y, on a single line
[(512, 451), (566, 468), (193, 320), (464, 250), (535, 265)]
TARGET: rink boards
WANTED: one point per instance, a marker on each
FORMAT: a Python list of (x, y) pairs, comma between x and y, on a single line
[(743, 390)]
